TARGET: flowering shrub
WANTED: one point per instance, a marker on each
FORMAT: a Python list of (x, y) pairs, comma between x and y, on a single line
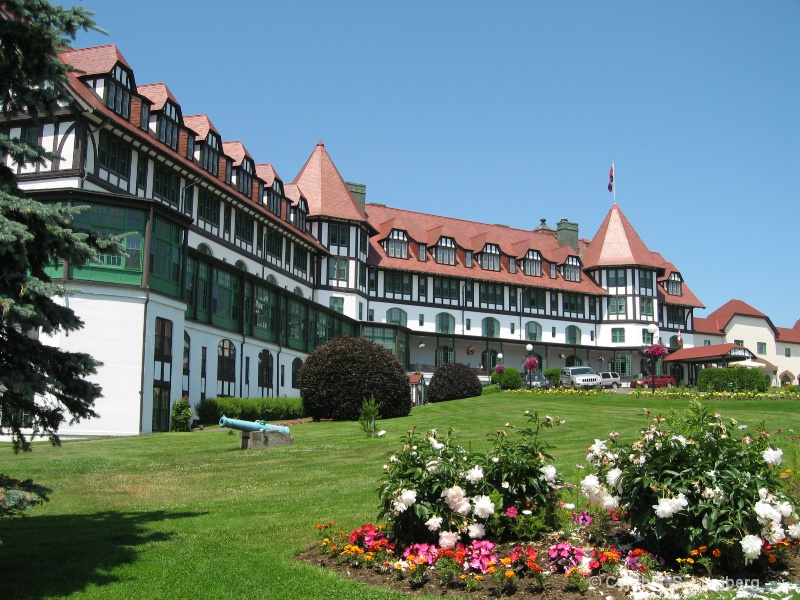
[(437, 492), (694, 481)]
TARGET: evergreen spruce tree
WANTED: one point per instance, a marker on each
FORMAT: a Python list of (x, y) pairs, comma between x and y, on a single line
[(41, 386)]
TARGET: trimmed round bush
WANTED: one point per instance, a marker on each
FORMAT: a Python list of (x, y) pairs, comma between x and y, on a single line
[(339, 376), (512, 380), (452, 381)]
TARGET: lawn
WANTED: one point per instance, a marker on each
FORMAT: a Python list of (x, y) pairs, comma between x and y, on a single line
[(184, 515)]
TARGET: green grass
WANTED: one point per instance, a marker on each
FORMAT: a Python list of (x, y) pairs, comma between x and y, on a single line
[(184, 515)]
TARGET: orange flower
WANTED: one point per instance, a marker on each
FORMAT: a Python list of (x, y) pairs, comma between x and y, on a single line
[(772, 558), (716, 552), (509, 574), (506, 561), (694, 552), (702, 549)]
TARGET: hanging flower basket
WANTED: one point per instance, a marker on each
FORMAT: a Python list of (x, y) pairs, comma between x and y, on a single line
[(656, 351), (531, 364), (500, 369), (470, 350)]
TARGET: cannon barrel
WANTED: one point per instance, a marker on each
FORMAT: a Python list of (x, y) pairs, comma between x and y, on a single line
[(252, 425)]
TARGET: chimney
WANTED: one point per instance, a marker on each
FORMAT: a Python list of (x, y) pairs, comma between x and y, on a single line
[(359, 192), (567, 234)]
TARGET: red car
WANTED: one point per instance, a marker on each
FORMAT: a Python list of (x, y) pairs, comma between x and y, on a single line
[(661, 381)]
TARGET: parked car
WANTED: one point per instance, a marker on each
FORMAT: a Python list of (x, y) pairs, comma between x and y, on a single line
[(661, 381), (537, 380), (579, 377), (610, 379)]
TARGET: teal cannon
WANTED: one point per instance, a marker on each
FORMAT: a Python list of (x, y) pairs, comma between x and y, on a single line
[(252, 425)]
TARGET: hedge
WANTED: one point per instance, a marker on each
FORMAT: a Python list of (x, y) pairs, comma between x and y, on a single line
[(714, 379), (210, 410)]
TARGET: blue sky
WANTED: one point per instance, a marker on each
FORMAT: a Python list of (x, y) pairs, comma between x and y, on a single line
[(511, 112)]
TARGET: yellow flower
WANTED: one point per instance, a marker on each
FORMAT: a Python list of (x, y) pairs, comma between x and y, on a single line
[(490, 570), (506, 561), (690, 561), (412, 567)]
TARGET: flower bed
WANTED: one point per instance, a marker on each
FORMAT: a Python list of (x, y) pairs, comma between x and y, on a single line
[(691, 504)]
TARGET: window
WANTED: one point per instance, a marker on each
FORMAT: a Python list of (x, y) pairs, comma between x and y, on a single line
[(512, 297), (445, 323), (572, 304), (706, 342), (244, 178), (646, 307), (208, 208), (118, 91), (105, 220), (165, 251), (617, 278), (645, 282), (490, 327), (676, 316), (675, 285), (761, 347), (445, 288), (469, 325), (226, 295), (337, 268), (397, 283), (647, 337), (145, 116), (618, 335), (226, 361), (265, 369), (533, 331), (297, 364), (274, 243), (274, 198), (337, 303), (301, 259), (532, 264), (617, 305), (444, 354), (209, 154), (397, 244), (362, 241), (397, 316), (244, 227), (190, 148), (168, 125), (490, 258), (533, 299), (491, 293), (553, 270), (468, 258), (421, 319), (163, 345), (572, 269), (165, 184), (423, 252), (114, 155), (512, 265), (787, 352), (422, 288), (339, 234), (512, 328), (573, 335), (445, 251)]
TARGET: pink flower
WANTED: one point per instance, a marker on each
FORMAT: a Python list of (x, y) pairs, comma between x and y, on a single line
[(511, 511)]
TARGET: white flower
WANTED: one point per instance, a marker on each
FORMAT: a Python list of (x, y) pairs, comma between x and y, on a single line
[(751, 546), (612, 477), (527, 512), (381, 433), (399, 506), (434, 523), (393, 458), (794, 531), (569, 506), (766, 512), (474, 474), (408, 497), (484, 507), (436, 445), (505, 485), (432, 466), (476, 530), (548, 473), (667, 507), (679, 439), (772, 457), (495, 460), (385, 467), (456, 500), (785, 508), (776, 533), (448, 539)]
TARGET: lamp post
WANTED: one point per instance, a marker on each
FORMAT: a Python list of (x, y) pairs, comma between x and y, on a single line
[(500, 369), (529, 348), (653, 330)]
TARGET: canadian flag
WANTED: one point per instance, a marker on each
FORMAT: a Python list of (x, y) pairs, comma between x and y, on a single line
[(680, 342), (611, 179)]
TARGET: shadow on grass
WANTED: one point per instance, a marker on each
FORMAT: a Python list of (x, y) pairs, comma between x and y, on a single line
[(51, 556)]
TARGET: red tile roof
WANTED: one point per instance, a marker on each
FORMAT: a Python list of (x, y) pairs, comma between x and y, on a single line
[(200, 124), (325, 190), (157, 93), (791, 336), (94, 61), (236, 151), (616, 243), (702, 353), (687, 297), (718, 321), (267, 173)]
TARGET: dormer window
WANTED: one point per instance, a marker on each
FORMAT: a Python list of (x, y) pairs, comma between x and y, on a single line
[(675, 284), (490, 257), (397, 244), (297, 214), (118, 91), (572, 269), (209, 154), (617, 278), (168, 125), (445, 251), (244, 177), (533, 263), (274, 198)]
